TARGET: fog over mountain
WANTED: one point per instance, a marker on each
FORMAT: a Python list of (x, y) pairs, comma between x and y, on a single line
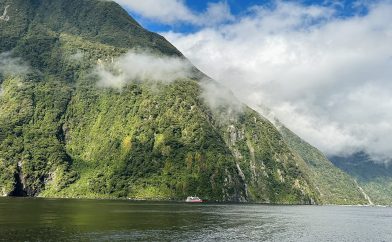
[(9, 64), (327, 78)]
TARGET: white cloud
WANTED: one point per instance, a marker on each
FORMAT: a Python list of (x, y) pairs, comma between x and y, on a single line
[(141, 66), (328, 79), (176, 11), (12, 66), (218, 96)]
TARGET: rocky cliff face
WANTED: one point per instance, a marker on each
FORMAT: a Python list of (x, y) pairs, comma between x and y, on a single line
[(64, 135)]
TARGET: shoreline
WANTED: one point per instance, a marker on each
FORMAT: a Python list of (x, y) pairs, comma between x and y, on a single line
[(183, 201)]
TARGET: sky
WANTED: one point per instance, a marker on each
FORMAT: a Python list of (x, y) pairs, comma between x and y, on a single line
[(323, 68)]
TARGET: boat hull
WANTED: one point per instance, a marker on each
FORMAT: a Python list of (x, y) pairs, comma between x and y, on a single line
[(193, 200), (197, 201)]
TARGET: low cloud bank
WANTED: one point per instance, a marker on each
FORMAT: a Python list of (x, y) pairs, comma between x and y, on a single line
[(137, 66), (326, 77), (141, 66)]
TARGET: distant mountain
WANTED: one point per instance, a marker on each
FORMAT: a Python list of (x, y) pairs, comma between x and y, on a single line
[(374, 177), (64, 135)]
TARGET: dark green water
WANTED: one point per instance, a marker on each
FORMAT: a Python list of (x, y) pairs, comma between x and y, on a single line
[(96, 220)]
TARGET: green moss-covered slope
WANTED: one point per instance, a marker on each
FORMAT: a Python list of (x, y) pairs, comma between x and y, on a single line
[(334, 185)]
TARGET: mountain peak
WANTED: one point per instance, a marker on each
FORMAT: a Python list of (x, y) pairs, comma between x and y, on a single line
[(100, 21)]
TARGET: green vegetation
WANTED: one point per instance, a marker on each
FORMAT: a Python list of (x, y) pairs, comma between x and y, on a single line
[(375, 178), (271, 172), (334, 185)]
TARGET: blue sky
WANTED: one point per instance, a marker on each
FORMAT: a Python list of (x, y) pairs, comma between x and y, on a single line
[(344, 9), (240, 6)]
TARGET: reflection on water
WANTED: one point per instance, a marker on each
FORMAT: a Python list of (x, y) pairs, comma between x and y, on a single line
[(100, 220)]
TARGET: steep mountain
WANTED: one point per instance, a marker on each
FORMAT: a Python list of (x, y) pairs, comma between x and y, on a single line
[(334, 185), (373, 176), (64, 135)]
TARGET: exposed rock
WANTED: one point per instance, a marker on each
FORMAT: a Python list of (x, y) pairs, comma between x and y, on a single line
[(5, 17)]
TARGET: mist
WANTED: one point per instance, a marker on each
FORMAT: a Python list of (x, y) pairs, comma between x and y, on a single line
[(137, 66), (219, 97), (10, 65), (144, 66)]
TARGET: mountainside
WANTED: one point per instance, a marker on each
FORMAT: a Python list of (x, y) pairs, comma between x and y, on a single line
[(334, 185), (375, 178), (64, 135)]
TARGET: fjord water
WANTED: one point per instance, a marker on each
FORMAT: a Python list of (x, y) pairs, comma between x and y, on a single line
[(103, 220)]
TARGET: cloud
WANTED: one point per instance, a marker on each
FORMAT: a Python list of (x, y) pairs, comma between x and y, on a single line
[(327, 78), (137, 66), (176, 11), (10, 65), (221, 100), (77, 56)]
